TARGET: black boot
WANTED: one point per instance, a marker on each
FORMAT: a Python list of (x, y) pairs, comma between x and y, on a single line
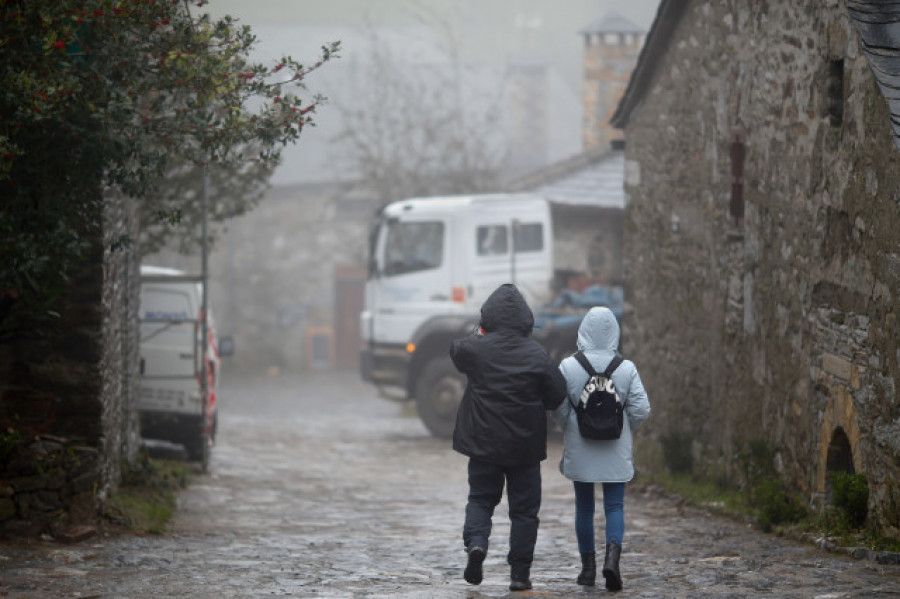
[(520, 579), (473, 572), (611, 567), (520, 584), (588, 576)]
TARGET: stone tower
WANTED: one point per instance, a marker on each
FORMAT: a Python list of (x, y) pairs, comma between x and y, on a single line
[(611, 48)]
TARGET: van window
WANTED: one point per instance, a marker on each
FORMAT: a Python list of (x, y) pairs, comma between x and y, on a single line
[(491, 240), (413, 246), (529, 237)]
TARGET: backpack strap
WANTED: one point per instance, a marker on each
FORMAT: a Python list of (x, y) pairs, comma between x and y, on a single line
[(585, 363), (614, 363)]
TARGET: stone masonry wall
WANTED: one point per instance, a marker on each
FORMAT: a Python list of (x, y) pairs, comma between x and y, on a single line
[(607, 67), (66, 392), (781, 326)]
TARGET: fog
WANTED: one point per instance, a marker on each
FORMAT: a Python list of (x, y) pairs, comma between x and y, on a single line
[(470, 87), (420, 39)]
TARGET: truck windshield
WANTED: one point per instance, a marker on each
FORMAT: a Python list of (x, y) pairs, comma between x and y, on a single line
[(412, 246)]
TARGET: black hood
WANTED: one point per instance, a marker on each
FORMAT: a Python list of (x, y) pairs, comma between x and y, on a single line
[(507, 310)]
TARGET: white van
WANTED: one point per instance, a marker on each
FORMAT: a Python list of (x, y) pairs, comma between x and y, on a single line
[(173, 404)]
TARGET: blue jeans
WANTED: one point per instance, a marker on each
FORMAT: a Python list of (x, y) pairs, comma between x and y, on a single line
[(523, 494), (613, 507)]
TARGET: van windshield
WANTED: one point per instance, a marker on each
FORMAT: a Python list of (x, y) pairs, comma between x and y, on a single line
[(412, 246), (166, 317)]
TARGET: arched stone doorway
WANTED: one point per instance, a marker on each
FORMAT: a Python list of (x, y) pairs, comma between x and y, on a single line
[(838, 441), (839, 459)]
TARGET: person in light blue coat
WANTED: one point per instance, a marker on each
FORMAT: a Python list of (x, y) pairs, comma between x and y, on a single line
[(586, 461)]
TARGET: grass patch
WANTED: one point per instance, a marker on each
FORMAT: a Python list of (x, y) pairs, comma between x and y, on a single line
[(704, 493), (772, 509), (146, 497)]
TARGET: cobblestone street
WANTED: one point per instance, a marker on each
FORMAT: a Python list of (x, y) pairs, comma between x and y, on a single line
[(318, 488)]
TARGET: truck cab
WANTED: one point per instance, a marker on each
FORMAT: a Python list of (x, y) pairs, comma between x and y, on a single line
[(433, 262)]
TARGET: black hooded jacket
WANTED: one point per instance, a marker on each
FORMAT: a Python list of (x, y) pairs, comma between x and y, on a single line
[(512, 382)]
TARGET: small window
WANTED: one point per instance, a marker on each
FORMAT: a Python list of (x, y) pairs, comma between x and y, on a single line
[(836, 93), (492, 240), (529, 237), (413, 246)]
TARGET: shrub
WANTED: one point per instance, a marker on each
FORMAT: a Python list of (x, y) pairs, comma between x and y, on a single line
[(755, 461), (850, 495), (677, 452), (775, 505)]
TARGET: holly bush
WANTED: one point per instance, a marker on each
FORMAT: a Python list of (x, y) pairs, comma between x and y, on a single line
[(113, 96)]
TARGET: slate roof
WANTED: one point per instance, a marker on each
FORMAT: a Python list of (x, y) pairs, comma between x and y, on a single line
[(593, 178), (612, 22), (667, 16), (878, 24)]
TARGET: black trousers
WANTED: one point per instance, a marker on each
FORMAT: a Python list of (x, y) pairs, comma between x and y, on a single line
[(523, 493)]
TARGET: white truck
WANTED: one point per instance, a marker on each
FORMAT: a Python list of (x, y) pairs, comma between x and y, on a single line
[(433, 262), (174, 403)]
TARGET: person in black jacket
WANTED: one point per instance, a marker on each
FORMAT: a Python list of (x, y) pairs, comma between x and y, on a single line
[(501, 426)]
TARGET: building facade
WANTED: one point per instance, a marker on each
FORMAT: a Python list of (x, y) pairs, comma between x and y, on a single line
[(762, 242)]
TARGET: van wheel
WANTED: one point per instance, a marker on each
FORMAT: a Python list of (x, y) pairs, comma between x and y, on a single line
[(198, 450), (438, 393)]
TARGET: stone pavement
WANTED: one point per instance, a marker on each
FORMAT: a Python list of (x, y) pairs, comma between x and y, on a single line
[(317, 488)]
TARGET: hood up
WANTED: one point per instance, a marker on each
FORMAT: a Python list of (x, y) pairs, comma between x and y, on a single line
[(507, 310), (599, 330)]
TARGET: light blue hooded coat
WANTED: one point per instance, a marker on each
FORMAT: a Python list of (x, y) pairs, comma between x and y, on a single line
[(587, 460)]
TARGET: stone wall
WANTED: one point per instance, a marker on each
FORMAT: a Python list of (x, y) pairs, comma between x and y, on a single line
[(66, 391), (588, 240), (777, 321)]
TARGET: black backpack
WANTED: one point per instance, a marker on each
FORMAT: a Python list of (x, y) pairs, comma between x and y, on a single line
[(600, 411)]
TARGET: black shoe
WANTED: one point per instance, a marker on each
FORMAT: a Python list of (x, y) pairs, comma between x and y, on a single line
[(520, 585), (588, 576), (473, 573), (611, 567)]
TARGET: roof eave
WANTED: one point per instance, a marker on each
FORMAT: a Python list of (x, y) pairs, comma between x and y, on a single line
[(664, 25)]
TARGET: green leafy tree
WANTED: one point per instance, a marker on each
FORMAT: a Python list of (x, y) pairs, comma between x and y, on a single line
[(113, 95)]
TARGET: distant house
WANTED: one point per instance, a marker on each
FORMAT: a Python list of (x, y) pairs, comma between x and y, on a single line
[(586, 190), (587, 199), (762, 259)]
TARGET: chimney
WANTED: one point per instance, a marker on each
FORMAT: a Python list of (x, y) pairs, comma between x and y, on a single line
[(612, 45)]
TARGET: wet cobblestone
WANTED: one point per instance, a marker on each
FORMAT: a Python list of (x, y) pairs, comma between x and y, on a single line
[(318, 488)]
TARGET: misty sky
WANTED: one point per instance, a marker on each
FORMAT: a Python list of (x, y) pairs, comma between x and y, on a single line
[(488, 33)]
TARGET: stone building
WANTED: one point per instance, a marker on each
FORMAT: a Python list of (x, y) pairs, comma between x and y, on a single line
[(67, 392), (611, 47), (762, 241)]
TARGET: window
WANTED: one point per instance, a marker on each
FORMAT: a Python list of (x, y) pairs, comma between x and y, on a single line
[(492, 240), (836, 92), (529, 237), (413, 246), (738, 152)]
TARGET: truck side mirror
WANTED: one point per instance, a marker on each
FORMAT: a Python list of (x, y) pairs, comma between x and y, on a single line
[(226, 347)]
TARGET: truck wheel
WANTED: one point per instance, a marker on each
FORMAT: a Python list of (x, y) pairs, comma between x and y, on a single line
[(438, 393)]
